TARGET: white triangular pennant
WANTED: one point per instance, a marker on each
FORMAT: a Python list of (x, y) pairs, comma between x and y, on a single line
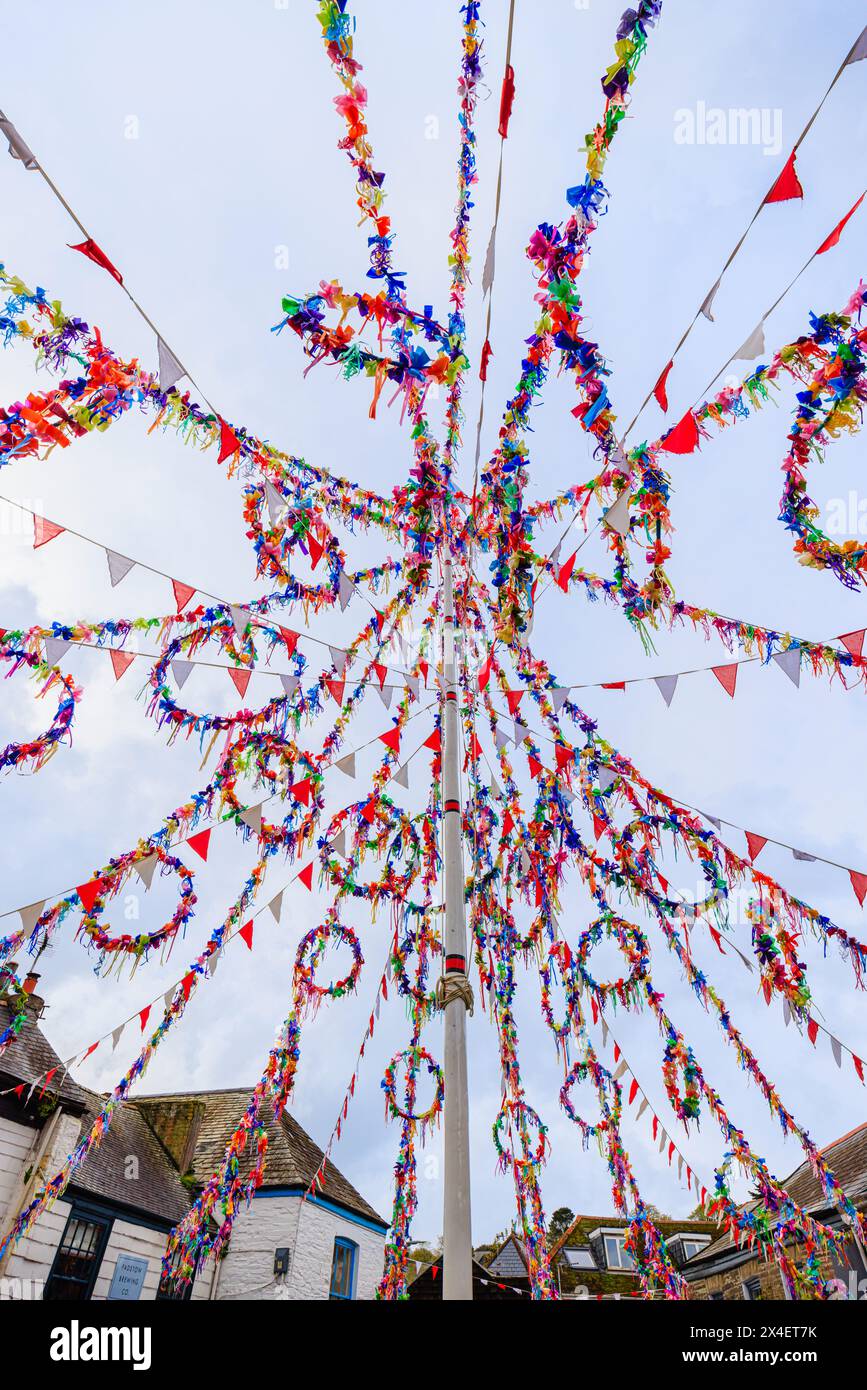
[(55, 649), (666, 685), (170, 369), (559, 695), (412, 686), (145, 868), (338, 844), (276, 503), (253, 818), (19, 149), (402, 776), (385, 695), (213, 962), (500, 739), (289, 683), (119, 566), (858, 52), (836, 1049), (276, 906), (345, 590), (338, 659), (616, 518), (240, 619), (708, 302), (804, 857), (30, 915), (642, 1107), (181, 670), (606, 778), (346, 765), (754, 345), (116, 1036), (491, 260), (790, 662)]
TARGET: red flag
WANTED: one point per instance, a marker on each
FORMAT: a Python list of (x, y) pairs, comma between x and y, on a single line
[(301, 790), (121, 661), (90, 249), (859, 884), (788, 185), (290, 638), (670, 1152), (513, 699), (391, 740), (755, 844), (199, 843), (565, 757), (727, 677), (434, 742), (246, 934), (835, 235), (241, 679), (183, 594), (616, 1053), (812, 1030), (507, 97), (534, 765), (683, 439), (335, 689), (659, 389), (562, 579), (92, 1048), (598, 825), (487, 354), (187, 984), (717, 939), (229, 442), (853, 642), (89, 892), (45, 531), (859, 1067), (633, 1091), (144, 1015), (368, 811), (315, 551), (306, 877), (485, 671), (381, 672), (508, 822)]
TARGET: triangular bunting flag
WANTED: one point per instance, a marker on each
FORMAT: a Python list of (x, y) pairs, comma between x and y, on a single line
[(708, 303), (145, 868), (253, 818), (402, 776), (834, 237), (803, 856), (170, 369), (88, 893), (753, 346), (306, 877), (121, 662), (30, 915), (118, 567), (240, 619), (683, 439), (45, 531), (853, 642), (386, 694), (93, 253), (659, 389), (199, 843), (606, 777), (434, 741), (345, 590), (859, 51), (666, 685), (346, 765), (183, 594), (240, 679), (391, 739), (616, 518), (790, 663), (229, 443), (144, 1015), (302, 790), (276, 503), (755, 844), (181, 670), (338, 844), (788, 185), (289, 683), (246, 934), (836, 1049), (19, 149), (859, 885), (727, 677), (559, 695), (275, 906), (55, 649), (335, 690), (116, 1037)]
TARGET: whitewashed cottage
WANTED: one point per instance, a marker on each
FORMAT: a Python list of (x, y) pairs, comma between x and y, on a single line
[(106, 1237)]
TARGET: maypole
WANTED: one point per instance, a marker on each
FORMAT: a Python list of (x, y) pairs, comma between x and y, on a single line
[(455, 993)]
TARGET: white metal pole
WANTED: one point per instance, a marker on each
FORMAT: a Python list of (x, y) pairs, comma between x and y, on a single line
[(456, 995)]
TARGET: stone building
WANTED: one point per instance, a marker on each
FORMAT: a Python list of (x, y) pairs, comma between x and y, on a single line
[(105, 1238), (723, 1271), (591, 1257)]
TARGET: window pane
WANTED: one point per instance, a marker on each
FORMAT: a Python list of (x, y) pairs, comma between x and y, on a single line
[(341, 1270), (612, 1252), (626, 1261)]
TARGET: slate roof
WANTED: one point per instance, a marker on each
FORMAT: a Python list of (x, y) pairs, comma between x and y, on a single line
[(152, 1186), (29, 1057), (668, 1226), (510, 1259), (198, 1126), (847, 1159)]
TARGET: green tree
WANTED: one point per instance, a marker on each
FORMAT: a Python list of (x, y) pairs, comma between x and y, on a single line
[(559, 1224)]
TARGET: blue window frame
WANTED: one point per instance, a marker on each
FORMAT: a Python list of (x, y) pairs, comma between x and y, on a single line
[(343, 1266)]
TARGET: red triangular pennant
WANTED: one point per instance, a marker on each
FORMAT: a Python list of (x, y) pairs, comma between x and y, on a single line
[(727, 677), (306, 877), (121, 661), (598, 825), (290, 638), (381, 673), (565, 757), (755, 844), (513, 699), (315, 551), (534, 765), (485, 672), (144, 1015), (45, 531), (659, 389), (93, 253), (859, 884), (853, 642), (229, 443), (565, 573), (183, 594), (187, 984), (633, 1091), (788, 185), (368, 811), (434, 742), (812, 1030), (200, 843), (391, 739), (335, 689), (88, 893), (241, 679), (683, 439), (246, 934), (835, 235), (301, 790)]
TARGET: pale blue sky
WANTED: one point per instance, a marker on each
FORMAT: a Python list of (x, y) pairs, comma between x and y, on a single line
[(236, 159)]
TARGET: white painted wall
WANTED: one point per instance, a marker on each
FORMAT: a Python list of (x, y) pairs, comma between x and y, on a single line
[(15, 1144), (30, 1262), (309, 1231)]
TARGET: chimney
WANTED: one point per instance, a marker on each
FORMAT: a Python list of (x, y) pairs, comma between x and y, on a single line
[(30, 981)]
